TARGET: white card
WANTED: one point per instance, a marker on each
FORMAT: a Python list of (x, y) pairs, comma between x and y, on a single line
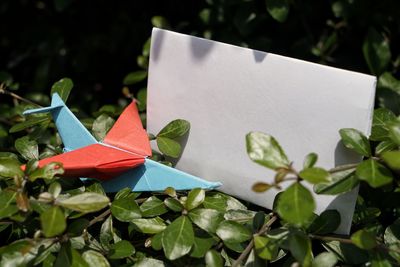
[(226, 91)]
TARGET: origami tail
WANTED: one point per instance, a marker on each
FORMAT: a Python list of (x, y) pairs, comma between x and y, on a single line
[(154, 176), (73, 134)]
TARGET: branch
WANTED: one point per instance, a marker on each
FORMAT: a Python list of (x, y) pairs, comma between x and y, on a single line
[(15, 96), (249, 247), (99, 218)]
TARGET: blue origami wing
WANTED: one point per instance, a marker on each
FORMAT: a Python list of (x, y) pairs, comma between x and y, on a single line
[(73, 134), (154, 176)]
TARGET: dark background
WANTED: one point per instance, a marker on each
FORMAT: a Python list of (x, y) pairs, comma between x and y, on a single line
[(96, 43)]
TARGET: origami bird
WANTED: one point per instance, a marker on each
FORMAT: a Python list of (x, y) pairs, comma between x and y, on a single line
[(120, 160)]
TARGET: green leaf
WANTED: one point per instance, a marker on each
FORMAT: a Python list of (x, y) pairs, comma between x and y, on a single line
[(153, 207), (217, 202), (149, 262), (388, 81), (341, 182), (47, 172), (300, 247), (107, 232), (206, 219), (195, 198), (347, 253), (374, 173), (85, 202), (125, 209), (160, 22), (258, 221), (27, 148), (10, 168), (325, 259), (30, 121), (8, 206), (233, 232), (135, 77), (178, 238), (101, 125), (364, 239), (53, 221), (174, 129), (379, 131), (392, 239), (76, 227), (149, 226), (121, 249), (356, 140), (380, 259), (156, 241), (392, 159), (265, 247), (213, 259), (278, 9), (310, 160), (240, 216), (265, 150), (394, 131), (201, 246), (315, 175), (169, 147), (296, 205), (385, 146), (68, 256), (376, 52), (63, 87), (326, 223), (173, 204), (95, 259)]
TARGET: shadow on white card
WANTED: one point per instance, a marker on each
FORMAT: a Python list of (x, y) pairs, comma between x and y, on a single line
[(227, 91)]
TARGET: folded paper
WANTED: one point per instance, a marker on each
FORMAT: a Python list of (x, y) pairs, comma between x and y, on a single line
[(121, 160), (227, 91)]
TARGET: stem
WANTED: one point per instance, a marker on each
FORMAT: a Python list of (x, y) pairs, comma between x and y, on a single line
[(15, 96), (331, 238), (249, 247), (99, 218)]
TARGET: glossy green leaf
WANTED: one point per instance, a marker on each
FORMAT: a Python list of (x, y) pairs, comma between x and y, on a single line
[(326, 223), (101, 125), (174, 129), (217, 202), (49, 171), (121, 249), (296, 205), (153, 207), (125, 209), (239, 215), (178, 238), (356, 141), (135, 77), (195, 198), (364, 239), (380, 259), (53, 222), (385, 146), (394, 131), (149, 262), (30, 121), (315, 175), (392, 239), (68, 256), (76, 227), (201, 246), (27, 148), (379, 131), (156, 241), (325, 259), (8, 206), (206, 219), (63, 88), (95, 259), (278, 9), (169, 147), (213, 259), (374, 173), (376, 51), (392, 159), (10, 168), (173, 204), (265, 150), (310, 160), (149, 226), (300, 247), (85, 202), (265, 247), (233, 232), (341, 182)]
